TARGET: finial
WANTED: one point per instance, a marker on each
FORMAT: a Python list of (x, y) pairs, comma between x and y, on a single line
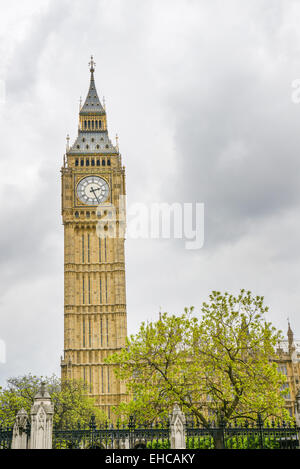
[(43, 388), (68, 142), (104, 106), (117, 142), (80, 103), (92, 64)]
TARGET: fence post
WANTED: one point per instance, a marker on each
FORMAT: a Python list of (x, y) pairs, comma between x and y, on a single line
[(177, 428), (20, 436), (297, 416), (260, 425), (41, 420)]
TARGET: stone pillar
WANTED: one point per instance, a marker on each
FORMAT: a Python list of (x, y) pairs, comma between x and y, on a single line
[(41, 420), (20, 436), (177, 428)]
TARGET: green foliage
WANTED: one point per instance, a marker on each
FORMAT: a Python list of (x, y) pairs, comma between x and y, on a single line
[(216, 364), (71, 404)]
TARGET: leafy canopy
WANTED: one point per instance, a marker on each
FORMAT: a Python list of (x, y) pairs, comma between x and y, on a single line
[(216, 365), (71, 404)]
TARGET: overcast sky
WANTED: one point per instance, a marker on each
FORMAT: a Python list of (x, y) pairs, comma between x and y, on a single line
[(199, 93)]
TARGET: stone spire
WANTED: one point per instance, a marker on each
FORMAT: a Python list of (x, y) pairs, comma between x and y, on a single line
[(92, 103), (290, 335), (92, 128)]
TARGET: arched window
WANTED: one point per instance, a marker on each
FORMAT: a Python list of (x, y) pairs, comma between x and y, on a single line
[(99, 124), (96, 123), (85, 124), (103, 162), (92, 124), (89, 124), (98, 162), (108, 162)]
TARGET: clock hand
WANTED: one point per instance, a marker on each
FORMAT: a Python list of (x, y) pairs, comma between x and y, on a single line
[(94, 192)]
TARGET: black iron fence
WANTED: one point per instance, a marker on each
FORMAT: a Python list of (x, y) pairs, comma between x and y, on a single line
[(108, 436), (249, 435), (246, 435), (6, 434)]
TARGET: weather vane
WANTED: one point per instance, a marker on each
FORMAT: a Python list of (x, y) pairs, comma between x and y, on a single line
[(92, 64)]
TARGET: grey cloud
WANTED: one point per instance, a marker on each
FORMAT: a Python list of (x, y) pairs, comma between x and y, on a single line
[(200, 95)]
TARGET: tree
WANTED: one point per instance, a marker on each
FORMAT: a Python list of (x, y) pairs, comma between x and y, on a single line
[(217, 365), (71, 404)]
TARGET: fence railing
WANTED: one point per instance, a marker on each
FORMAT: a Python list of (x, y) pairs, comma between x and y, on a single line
[(107, 436), (250, 435), (6, 434)]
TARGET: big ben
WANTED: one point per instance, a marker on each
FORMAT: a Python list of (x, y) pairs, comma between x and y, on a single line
[(95, 321)]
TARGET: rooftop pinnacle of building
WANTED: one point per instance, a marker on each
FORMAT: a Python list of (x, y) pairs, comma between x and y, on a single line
[(92, 133), (92, 103)]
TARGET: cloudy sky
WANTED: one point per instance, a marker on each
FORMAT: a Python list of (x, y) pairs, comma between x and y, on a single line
[(200, 94)]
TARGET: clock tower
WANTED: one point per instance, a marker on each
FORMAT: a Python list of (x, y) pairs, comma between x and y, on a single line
[(95, 322)]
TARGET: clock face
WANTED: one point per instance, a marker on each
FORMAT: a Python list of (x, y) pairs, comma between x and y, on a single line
[(92, 190)]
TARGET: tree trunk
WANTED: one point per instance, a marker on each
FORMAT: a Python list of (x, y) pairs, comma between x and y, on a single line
[(218, 438)]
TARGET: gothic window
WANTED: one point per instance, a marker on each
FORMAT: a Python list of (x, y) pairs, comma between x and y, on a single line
[(93, 162), (103, 162), (108, 162), (89, 124), (108, 384), (98, 162), (83, 298), (82, 162), (106, 288), (92, 124), (85, 124), (83, 332), (76, 162), (76, 215), (89, 291), (82, 248), (87, 161), (88, 245), (90, 333), (101, 338), (100, 124), (96, 123), (107, 331)]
